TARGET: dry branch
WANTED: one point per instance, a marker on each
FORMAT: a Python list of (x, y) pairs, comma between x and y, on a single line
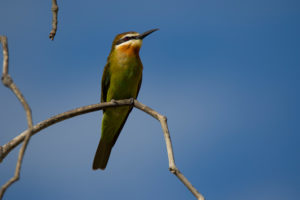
[(25, 136), (54, 10), (8, 82), (172, 167), (58, 118), (95, 107)]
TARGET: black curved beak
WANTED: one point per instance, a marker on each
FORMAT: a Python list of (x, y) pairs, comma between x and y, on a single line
[(143, 35)]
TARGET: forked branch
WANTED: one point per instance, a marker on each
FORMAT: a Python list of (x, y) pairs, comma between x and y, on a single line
[(95, 107), (25, 136), (8, 82)]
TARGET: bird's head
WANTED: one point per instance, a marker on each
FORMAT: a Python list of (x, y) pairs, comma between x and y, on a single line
[(130, 42)]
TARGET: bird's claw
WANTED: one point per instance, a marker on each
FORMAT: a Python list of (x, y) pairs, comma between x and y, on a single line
[(113, 101), (131, 101)]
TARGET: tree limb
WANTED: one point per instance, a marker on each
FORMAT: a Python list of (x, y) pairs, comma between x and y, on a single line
[(8, 82), (172, 167), (95, 107), (58, 118), (25, 136), (54, 10)]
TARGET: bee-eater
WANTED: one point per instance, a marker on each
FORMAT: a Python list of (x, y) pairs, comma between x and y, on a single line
[(122, 77)]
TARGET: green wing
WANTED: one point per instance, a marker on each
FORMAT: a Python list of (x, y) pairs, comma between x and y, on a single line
[(139, 87), (105, 83), (125, 119)]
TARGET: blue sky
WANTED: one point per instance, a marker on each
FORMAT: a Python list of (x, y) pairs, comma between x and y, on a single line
[(225, 73)]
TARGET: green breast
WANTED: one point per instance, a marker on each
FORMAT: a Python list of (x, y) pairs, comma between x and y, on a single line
[(125, 78)]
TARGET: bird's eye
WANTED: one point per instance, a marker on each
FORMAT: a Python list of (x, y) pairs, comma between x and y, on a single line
[(126, 38)]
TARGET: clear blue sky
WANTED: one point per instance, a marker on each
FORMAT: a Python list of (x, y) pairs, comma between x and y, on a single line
[(225, 73)]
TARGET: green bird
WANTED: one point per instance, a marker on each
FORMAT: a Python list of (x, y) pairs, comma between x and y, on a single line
[(122, 77)]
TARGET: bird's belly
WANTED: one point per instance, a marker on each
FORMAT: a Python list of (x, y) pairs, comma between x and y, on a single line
[(124, 85)]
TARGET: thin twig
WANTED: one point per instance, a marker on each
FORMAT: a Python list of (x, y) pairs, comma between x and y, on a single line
[(54, 10), (95, 107), (3, 41), (8, 82)]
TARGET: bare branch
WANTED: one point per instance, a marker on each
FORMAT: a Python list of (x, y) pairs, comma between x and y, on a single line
[(26, 135), (172, 167), (8, 82), (54, 10), (58, 118), (95, 107), (3, 41)]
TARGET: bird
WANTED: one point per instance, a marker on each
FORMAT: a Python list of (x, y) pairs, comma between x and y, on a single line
[(121, 79)]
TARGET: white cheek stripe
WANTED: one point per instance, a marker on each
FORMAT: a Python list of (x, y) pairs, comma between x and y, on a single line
[(130, 34), (132, 42)]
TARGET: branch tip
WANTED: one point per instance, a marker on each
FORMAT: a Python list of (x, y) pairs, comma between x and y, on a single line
[(54, 10)]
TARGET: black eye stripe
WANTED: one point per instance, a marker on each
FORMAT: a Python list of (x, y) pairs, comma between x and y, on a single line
[(125, 39)]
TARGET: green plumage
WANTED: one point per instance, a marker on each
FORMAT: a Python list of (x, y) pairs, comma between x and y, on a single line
[(121, 79)]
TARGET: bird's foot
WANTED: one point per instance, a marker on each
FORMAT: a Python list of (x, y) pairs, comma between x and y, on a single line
[(131, 101), (113, 101)]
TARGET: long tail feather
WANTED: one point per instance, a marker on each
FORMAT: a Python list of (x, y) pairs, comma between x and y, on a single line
[(102, 155)]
